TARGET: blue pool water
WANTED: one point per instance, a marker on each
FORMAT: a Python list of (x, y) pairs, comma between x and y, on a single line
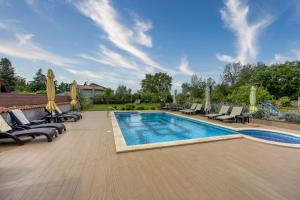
[(147, 128), (272, 136)]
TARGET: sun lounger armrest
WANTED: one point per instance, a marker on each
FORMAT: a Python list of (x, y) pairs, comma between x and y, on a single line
[(18, 128), (39, 121), (22, 127)]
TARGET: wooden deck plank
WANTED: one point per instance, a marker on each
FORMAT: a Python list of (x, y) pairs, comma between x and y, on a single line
[(82, 164)]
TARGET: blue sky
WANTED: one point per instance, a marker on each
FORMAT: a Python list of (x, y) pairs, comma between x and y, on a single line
[(117, 42)]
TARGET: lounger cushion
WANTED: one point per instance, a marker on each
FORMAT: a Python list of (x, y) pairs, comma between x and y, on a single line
[(20, 116), (4, 127)]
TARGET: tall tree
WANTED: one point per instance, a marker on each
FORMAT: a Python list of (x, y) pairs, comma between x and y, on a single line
[(231, 73), (158, 86), (195, 88), (7, 74), (39, 81), (123, 94), (157, 83)]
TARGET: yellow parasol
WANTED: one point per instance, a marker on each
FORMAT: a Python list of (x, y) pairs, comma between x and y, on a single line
[(74, 93), (252, 99), (51, 105)]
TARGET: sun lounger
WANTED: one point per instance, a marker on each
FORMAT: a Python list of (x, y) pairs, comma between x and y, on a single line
[(193, 107), (234, 112), (62, 117), (195, 111), (22, 121), (223, 111), (166, 106), (7, 131), (69, 113)]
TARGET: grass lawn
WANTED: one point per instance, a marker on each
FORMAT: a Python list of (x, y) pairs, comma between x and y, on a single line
[(140, 106)]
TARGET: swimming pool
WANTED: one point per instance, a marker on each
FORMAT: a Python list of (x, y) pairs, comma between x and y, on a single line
[(271, 136), (148, 128)]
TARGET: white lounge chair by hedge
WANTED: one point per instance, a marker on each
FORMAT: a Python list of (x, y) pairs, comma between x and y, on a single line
[(197, 109), (234, 112), (223, 111), (193, 107)]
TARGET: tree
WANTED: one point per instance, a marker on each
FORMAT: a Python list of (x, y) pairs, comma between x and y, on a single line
[(7, 74), (158, 84), (220, 92), (186, 88), (196, 88), (63, 87), (231, 73), (21, 84), (108, 95), (279, 79), (39, 81), (241, 95), (122, 94)]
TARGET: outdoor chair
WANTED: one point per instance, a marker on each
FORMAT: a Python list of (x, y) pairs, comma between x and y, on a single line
[(62, 117), (166, 106), (223, 111), (68, 113), (236, 111), (195, 111), (193, 107), (7, 131), (22, 121)]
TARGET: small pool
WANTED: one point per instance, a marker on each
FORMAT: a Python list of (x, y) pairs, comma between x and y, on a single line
[(271, 136), (148, 128)]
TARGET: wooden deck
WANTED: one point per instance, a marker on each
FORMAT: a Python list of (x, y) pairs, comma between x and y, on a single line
[(82, 164)]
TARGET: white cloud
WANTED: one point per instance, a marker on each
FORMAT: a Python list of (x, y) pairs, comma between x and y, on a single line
[(111, 58), (184, 67), (141, 27), (4, 26), (86, 74), (27, 49), (234, 15), (106, 17), (107, 77), (290, 56), (226, 58), (24, 38)]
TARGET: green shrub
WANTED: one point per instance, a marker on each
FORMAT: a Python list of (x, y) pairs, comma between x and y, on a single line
[(84, 102), (41, 92), (260, 114), (153, 108), (292, 117), (140, 108), (129, 107), (285, 101)]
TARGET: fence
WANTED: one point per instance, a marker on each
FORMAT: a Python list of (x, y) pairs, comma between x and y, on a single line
[(14, 99)]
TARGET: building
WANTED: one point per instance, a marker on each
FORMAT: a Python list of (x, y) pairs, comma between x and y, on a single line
[(91, 90)]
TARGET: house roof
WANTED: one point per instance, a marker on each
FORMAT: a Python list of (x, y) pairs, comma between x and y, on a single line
[(91, 87)]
